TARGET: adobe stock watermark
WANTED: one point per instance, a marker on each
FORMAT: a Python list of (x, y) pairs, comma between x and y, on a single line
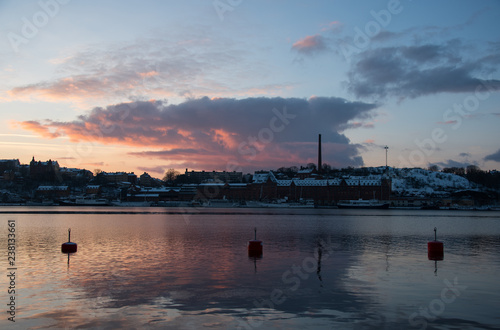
[(31, 25), (254, 145), (437, 306), (292, 277), (362, 37), (454, 116), (223, 6)]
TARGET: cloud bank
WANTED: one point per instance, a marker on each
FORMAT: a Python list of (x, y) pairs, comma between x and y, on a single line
[(222, 133), (495, 157), (414, 71)]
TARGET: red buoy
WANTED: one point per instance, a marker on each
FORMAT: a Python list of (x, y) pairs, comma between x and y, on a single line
[(435, 250), (255, 246), (69, 247)]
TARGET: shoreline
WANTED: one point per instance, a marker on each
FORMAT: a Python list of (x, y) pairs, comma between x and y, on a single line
[(240, 210)]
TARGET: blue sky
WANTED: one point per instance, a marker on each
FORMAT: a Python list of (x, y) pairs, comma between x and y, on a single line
[(248, 85)]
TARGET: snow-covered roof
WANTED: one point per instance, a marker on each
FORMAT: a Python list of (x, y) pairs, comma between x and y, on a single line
[(263, 177), (160, 190), (45, 188), (310, 183), (334, 182)]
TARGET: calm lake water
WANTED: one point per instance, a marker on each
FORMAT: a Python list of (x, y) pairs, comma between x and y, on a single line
[(320, 269)]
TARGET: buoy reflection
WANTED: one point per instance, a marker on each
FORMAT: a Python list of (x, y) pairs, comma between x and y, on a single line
[(318, 268)]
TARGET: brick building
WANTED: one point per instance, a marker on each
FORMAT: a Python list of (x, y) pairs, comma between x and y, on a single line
[(214, 176), (51, 192), (265, 186), (119, 177), (323, 191)]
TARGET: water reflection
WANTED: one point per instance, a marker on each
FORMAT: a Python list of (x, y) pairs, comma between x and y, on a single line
[(319, 271)]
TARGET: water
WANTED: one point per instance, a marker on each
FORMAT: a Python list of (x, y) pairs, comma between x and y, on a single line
[(321, 269)]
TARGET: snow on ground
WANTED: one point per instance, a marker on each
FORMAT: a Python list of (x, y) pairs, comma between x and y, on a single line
[(422, 183)]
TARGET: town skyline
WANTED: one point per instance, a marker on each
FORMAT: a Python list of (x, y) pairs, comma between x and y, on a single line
[(326, 169), (46, 183), (246, 86)]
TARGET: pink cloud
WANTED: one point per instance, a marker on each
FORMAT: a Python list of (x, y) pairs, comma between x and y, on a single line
[(334, 25), (448, 122), (310, 44), (38, 128), (219, 133), (145, 69)]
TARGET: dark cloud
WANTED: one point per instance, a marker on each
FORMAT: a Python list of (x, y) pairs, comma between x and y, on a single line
[(413, 71), (426, 53), (493, 157), (454, 163), (252, 132)]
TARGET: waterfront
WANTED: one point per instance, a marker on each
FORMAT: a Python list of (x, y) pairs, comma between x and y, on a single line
[(189, 268)]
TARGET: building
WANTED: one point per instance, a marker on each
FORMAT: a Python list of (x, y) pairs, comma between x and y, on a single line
[(45, 171), (266, 186), (9, 165), (214, 176), (119, 177), (221, 190), (155, 195), (75, 174), (51, 192), (145, 180), (93, 190)]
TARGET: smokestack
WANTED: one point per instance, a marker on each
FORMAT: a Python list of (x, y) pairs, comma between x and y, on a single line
[(319, 154)]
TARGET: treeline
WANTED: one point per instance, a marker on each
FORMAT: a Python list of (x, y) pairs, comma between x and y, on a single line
[(328, 170), (489, 179)]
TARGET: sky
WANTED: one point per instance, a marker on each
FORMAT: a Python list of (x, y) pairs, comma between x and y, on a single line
[(239, 85)]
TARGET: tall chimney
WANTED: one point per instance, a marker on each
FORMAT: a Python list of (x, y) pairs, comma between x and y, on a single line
[(319, 154)]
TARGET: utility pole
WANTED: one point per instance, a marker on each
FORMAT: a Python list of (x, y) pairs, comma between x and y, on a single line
[(320, 161), (386, 149)]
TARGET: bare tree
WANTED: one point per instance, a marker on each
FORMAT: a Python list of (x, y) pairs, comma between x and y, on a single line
[(434, 168), (170, 175)]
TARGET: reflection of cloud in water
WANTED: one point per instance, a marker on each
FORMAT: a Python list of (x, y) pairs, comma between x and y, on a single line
[(188, 279), (157, 271)]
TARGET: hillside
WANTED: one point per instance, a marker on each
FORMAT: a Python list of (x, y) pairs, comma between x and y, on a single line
[(424, 183)]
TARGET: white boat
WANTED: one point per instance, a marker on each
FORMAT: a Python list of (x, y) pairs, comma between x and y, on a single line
[(362, 204), (222, 203), (131, 204), (84, 202)]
